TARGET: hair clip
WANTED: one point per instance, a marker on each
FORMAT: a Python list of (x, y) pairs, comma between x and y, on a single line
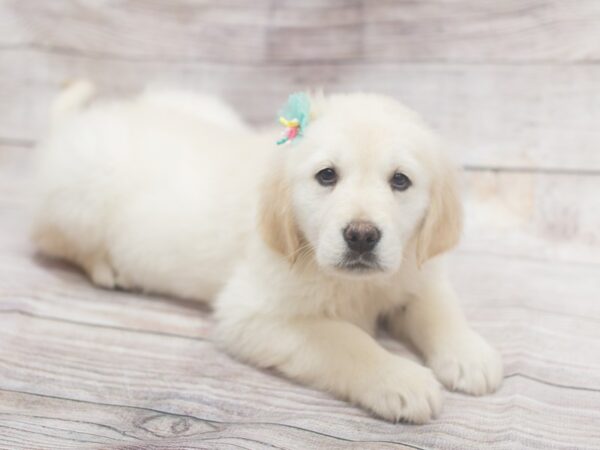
[(294, 117)]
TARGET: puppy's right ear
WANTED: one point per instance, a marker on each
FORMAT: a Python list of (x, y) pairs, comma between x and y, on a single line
[(276, 220)]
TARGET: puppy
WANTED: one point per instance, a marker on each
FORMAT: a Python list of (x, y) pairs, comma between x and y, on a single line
[(301, 248)]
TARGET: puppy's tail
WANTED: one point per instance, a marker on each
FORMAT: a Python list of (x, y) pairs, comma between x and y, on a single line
[(74, 96)]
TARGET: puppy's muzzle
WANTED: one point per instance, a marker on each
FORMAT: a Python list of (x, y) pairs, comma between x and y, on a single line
[(361, 237)]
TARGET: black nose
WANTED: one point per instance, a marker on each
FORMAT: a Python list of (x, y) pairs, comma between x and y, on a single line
[(361, 236)]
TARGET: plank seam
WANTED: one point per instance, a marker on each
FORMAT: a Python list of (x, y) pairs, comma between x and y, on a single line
[(550, 383), (99, 325), (96, 55), (17, 142), (49, 435), (532, 170), (84, 422)]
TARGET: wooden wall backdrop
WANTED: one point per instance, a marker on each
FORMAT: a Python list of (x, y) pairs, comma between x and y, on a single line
[(512, 85)]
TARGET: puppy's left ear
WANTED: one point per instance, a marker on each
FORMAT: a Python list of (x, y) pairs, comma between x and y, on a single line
[(443, 222)]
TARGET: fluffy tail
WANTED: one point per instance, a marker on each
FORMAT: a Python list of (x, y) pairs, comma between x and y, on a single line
[(74, 96)]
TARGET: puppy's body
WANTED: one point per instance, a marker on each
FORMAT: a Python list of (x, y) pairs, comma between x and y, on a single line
[(172, 193), (142, 195)]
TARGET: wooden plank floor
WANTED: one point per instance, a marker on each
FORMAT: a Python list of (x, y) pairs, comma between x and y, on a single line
[(83, 368), (513, 88)]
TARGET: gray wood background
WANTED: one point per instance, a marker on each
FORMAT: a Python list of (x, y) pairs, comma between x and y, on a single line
[(514, 88)]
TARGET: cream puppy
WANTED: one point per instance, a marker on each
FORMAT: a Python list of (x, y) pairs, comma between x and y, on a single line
[(301, 248)]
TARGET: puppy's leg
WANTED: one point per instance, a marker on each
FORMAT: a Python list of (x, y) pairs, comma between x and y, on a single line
[(52, 242), (461, 359), (338, 357)]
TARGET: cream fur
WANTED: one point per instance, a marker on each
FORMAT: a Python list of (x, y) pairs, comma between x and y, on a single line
[(171, 192)]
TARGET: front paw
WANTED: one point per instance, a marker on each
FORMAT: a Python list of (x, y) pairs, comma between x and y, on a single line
[(402, 390), (467, 363)]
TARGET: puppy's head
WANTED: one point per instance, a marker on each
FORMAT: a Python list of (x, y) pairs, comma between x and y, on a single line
[(365, 184)]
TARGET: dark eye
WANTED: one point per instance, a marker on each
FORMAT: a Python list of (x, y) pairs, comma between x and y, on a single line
[(326, 177), (400, 182)]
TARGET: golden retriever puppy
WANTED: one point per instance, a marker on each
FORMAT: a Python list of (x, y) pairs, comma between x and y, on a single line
[(301, 247)]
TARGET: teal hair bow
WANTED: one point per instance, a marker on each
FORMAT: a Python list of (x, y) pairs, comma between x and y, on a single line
[(294, 116)]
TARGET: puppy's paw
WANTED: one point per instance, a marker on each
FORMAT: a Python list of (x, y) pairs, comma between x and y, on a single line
[(403, 391), (102, 274), (468, 364)]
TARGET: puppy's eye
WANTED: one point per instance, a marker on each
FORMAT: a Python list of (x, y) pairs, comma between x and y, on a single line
[(327, 177), (400, 182)]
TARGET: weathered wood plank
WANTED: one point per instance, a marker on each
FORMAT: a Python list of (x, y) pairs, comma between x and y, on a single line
[(533, 215), (190, 378), (38, 421), (536, 117), (282, 32)]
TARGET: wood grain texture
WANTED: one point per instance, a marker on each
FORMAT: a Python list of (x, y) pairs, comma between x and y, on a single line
[(264, 31), (50, 422), (459, 63), (523, 117)]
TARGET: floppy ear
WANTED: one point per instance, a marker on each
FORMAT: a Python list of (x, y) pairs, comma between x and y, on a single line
[(276, 220), (442, 225)]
